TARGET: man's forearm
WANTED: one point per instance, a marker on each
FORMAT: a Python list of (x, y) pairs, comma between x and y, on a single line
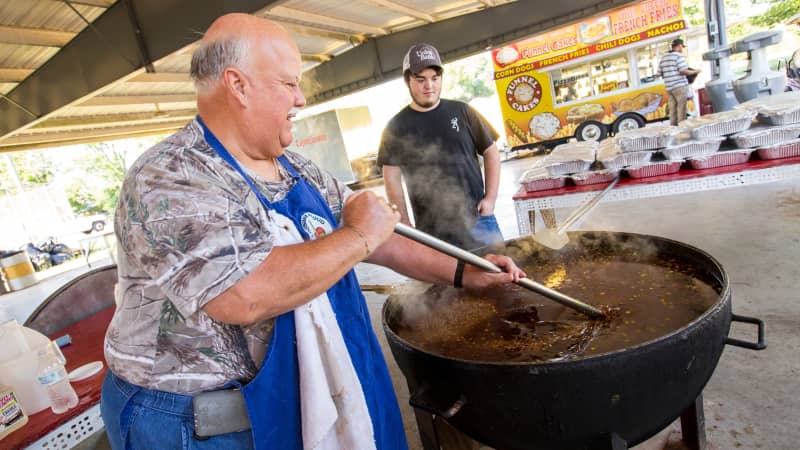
[(414, 260), (491, 167)]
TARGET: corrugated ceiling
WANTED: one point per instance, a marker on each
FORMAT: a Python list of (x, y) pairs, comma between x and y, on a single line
[(111, 93)]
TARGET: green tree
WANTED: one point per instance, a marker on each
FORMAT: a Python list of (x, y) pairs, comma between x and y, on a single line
[(33, 167), (469, 78), (106, 163), (82, 200), (693, 12), (778, 12), (740, 30), (6, 185)]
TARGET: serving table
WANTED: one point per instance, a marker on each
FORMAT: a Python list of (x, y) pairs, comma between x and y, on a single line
[(90, 243), (46, 430), (526, 204)]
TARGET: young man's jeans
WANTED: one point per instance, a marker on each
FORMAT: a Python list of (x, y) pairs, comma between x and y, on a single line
[(138, 418), (486, 231), (677, 104)]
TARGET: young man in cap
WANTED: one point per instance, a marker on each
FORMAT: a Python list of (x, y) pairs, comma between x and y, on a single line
[(434, 144), (674, 69)]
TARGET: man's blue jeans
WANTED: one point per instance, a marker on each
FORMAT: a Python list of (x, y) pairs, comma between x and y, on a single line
[(486, 231), (139, 418)]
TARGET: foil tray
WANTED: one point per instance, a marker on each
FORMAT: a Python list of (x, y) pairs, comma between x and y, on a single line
[(719, 124), (784, 150), (594, 177), (647, 138), (537, 179), (654, 169), (780, 118), (692, 148), (777, 109), (571, 151), (720, 128), (766, 136), (544, 184), (623, 160), (569, 158), (721, 159), (558, 169)]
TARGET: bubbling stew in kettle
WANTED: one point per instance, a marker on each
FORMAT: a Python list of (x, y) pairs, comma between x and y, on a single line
[(644, 299)]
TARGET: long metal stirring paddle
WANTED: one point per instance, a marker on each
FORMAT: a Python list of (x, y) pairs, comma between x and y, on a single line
[(483, 263), (557, 238)]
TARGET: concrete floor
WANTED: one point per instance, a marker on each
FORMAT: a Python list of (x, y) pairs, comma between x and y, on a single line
[(751, 401)]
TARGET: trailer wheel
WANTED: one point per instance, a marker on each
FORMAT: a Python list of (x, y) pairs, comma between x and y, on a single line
[(591, 130), (627, 121)]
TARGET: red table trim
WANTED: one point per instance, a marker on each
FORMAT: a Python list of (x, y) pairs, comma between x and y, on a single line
[(88, 337), (685, 173)]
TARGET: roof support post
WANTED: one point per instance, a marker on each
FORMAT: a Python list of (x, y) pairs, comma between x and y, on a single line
[(143, 53)]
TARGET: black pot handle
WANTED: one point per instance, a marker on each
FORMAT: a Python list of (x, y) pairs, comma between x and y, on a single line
[(760, 345), (416, 400)]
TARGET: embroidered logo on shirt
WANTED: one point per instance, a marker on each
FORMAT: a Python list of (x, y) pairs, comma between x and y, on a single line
[(454, 124), (314, 225)]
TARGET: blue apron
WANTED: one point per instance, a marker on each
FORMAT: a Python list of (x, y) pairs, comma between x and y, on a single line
[(273, 396)]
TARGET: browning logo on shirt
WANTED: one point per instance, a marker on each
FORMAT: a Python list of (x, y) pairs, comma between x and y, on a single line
[(454, 124), (314, 225)]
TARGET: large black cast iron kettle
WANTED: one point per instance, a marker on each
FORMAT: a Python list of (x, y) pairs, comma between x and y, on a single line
[(630, 394)]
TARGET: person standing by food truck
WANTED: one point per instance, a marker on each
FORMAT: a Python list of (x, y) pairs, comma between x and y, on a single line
[(674, 70), (434, 144), (793, 64)]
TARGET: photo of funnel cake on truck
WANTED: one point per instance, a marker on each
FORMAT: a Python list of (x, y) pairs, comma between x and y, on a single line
[(587, 80)]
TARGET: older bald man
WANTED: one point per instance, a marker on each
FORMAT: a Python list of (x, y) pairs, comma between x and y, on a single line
[(240, 322)]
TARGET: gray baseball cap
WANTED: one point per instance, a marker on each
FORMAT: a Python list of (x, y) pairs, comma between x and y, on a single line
[(421, 56)]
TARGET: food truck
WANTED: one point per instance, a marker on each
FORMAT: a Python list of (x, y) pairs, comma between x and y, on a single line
[(589, 79), (334, 139)]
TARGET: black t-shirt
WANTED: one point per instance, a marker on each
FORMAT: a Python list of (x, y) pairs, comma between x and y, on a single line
[(437, 152)]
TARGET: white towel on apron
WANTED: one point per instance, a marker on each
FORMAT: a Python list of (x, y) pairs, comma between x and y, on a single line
[(332, 404)]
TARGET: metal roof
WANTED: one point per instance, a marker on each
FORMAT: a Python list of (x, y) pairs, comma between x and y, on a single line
[(77, 71)]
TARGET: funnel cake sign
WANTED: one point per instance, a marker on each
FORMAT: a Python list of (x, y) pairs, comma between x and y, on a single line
[(524, 93)]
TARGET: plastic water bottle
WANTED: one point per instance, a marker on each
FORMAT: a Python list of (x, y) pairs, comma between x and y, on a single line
[(53, 376)]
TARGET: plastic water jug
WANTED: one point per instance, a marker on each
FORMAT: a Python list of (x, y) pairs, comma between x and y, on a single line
[(14, 343), (18, 364)]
